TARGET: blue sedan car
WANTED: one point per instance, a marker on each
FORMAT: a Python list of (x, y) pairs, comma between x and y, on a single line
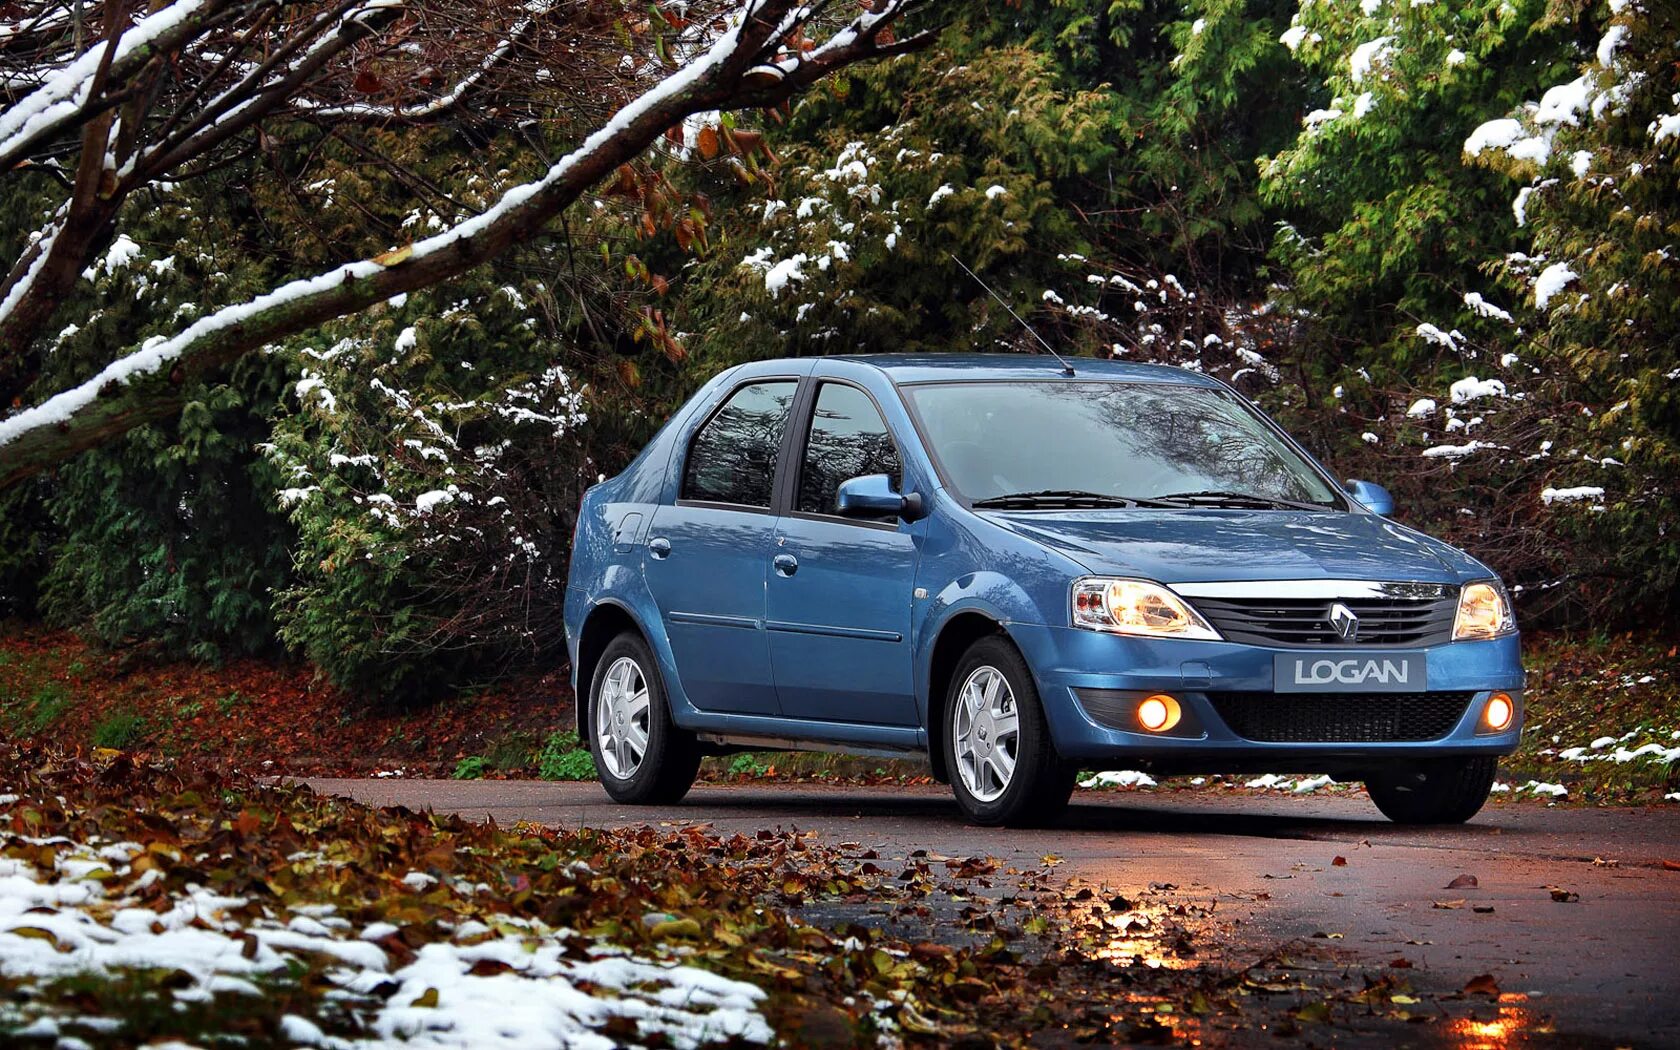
[(1022, 571)]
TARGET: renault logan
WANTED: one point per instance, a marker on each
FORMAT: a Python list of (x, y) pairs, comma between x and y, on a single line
[(1022, 571)]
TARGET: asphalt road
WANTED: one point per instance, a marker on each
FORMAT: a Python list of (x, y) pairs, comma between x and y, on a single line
[(1604, 967)]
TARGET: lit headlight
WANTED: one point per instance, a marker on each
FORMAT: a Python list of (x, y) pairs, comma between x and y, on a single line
[(1136, 607), (1484, 611)]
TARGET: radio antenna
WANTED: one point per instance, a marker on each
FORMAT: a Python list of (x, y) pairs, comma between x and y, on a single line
[(1067, 369)]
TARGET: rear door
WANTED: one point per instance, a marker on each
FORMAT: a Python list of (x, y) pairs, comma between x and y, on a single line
[(839, 588), (709, 552)]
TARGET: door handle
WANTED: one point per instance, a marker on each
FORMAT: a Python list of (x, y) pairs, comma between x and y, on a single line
[(786, 564), (659, 546)]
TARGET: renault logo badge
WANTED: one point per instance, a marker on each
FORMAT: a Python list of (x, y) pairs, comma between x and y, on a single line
[(1343, 622)]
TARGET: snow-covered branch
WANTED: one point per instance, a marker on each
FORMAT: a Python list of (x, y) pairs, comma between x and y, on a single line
[(144, 385), (133, 106)]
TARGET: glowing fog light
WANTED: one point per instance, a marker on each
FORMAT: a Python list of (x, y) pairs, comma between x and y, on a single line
[(1159, 713), (1499, 711)]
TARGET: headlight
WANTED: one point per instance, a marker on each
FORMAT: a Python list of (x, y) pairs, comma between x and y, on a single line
[(1136, 607), (1484, 611)]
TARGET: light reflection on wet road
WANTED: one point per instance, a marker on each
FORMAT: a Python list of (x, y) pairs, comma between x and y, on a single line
[(1604, 966)]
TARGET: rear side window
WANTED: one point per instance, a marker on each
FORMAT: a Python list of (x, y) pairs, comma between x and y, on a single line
[(733, 457), (848, 439)]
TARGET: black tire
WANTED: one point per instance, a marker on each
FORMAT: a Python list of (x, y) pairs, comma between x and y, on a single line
[(1038, 790), (671, 757), (1437, 791)]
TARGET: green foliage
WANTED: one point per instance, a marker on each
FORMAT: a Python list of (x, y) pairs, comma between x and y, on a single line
[(169, 535), (471, 768), (430, 469), (1269, 191), (562, 758), (120, 729), (748, 764), (37, 710), (27, 536)]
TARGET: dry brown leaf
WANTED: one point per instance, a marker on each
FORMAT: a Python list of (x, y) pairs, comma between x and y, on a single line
[(1482, 984)]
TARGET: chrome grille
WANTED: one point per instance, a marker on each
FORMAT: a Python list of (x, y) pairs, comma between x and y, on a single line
[(1305, 622), (1321, 718)]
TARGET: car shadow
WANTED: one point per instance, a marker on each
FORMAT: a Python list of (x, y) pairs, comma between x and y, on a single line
[(1157, 816)]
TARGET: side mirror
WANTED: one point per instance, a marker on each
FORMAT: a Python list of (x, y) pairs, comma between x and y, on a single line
[(1372, 496), (872, 496)]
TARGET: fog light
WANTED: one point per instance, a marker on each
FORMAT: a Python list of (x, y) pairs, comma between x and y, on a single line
[(1159, 713), (1499, 711)]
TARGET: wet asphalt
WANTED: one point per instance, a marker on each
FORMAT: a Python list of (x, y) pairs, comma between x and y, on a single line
[(1602, 963)]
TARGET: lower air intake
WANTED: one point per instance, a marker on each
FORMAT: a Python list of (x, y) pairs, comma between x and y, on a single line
[(1323, 718)]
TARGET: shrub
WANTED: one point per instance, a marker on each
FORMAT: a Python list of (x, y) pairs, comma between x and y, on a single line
[(470, 768), (562, 758)]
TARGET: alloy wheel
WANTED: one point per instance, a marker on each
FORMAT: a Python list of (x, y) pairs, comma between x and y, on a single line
[(621, 718), (987, 730)]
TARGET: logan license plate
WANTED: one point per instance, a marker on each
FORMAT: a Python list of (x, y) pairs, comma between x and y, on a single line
[(1350, 672)]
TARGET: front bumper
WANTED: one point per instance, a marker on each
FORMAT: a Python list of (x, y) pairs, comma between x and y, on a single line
[(1070, 664)]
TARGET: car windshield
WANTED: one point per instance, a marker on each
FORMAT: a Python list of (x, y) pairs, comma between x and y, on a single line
[(1057, 443)]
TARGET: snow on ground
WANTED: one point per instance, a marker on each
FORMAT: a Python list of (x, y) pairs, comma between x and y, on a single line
[(1595, 751), (1125, 778), (1303, 786), (78, 911)]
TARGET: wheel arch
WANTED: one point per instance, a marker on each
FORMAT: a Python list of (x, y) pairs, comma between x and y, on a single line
[(955, 636), (606, 621)]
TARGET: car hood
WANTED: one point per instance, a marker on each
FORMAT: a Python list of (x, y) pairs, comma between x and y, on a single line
[(1183, 546)]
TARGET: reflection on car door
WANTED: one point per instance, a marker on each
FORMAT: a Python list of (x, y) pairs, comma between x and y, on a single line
[(708, 554), (838, 594)]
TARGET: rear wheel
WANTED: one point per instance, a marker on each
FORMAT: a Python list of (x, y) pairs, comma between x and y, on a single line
[(1004, 767), (1437, 791), (640, 754)]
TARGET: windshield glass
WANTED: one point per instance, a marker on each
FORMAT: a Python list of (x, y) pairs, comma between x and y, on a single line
[(1130, 441)]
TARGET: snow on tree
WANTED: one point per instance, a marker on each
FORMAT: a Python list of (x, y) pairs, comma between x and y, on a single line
[(751, 55)]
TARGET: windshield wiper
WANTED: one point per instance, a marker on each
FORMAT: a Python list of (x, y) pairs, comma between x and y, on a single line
[(1222, 498), (1062, 498)]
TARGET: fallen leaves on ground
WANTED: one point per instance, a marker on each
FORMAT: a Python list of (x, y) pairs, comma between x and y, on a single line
[(329, 920), (1482, 984)]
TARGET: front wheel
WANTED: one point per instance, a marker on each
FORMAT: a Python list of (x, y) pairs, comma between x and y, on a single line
[(642, 757), (1004, 767), (1436, 791)]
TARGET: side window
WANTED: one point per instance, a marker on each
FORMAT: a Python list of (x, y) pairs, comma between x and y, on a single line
[(848, 439), (733, 457)]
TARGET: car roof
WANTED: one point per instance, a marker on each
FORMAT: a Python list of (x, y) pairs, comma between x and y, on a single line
[(936, 367)]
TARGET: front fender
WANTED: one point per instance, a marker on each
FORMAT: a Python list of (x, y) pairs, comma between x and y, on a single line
[(988, 594)]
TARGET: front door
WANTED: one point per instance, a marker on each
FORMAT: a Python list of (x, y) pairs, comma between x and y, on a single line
[(708, 555), (838, 591)]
